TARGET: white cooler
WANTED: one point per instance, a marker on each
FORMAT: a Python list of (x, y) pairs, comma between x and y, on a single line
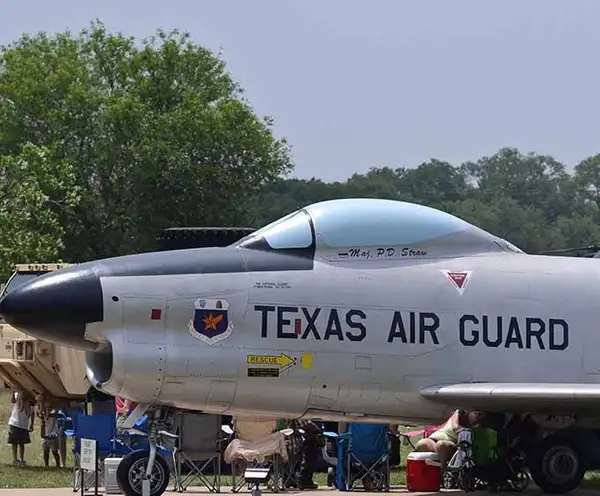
[(110, 476)]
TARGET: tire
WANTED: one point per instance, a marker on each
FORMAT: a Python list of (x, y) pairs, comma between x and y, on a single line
[(555, 465), (520, 482), (449, 479), (132, 471)]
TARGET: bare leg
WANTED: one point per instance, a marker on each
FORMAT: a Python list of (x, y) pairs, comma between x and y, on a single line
[(14, 453), (56, 458), (426, 445), (22, 452), (445, 450), (62, 447)]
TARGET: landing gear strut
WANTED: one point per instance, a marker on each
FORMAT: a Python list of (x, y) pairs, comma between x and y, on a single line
[(145, 472)]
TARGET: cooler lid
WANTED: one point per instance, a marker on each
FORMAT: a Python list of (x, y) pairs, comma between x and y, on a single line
[(420, 455)]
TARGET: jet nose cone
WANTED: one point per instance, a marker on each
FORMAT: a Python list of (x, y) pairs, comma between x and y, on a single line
[(56, 307)]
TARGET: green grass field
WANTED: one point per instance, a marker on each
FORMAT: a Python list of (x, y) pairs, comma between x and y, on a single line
[(35, 475)]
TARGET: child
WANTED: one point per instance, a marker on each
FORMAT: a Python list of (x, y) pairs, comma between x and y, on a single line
[(62, 438), (20, 425), (50, 433)]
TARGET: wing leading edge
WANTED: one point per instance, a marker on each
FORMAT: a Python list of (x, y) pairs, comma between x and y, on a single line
[(517, 397)]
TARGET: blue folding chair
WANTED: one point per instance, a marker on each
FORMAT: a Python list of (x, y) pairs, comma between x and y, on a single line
[(133, 439), (362, 457), (101, 428)]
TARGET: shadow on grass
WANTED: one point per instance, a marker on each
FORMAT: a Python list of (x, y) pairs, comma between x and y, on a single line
[(34, 468), (32, 476)]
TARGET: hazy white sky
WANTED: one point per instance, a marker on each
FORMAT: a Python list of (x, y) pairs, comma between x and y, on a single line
[(354, 84)]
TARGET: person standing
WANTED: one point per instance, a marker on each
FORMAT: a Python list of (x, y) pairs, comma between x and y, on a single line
[(49, 417), (310, 451), (62, 437), (20, 425)]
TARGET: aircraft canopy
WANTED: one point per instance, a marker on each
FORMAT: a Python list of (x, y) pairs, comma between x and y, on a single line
[(292, 231), (366, 222), (374, 222)]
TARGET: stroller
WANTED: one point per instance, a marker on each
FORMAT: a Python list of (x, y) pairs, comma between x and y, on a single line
[(481, 462)]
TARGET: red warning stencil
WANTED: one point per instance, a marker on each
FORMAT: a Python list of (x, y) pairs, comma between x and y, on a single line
[(458, 278)]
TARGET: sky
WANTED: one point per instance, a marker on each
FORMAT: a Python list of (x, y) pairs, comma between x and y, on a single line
[(354, 84)]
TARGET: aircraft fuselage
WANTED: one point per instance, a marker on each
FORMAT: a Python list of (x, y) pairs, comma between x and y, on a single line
[(351, 341), (355, 308)]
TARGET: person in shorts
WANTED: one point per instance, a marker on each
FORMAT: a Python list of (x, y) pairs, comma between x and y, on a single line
[(20, 424), (50, 431), (444, 441), (62, 438)]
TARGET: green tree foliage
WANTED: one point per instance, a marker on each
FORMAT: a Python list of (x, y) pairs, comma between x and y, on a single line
[(157, 132), (531, 200), (104, 141), (37, 194)]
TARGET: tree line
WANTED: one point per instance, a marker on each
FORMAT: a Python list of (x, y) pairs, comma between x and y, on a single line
[(106, 140), (528, 199)]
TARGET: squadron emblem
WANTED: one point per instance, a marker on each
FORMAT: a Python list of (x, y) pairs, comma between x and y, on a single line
[(210, 322)]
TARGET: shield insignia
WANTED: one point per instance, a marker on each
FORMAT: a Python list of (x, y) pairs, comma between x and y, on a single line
[(210, 322)]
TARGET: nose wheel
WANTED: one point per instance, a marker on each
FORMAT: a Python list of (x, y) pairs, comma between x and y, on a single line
[(145, 472), (133, 471)]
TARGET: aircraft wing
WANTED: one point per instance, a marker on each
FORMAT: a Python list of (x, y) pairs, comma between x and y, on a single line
[(517, 397)]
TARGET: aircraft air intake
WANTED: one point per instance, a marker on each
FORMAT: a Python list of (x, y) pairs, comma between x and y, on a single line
[(99, 365)]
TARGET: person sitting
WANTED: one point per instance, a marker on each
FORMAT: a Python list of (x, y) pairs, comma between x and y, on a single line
[(443, 442), (123, 407)]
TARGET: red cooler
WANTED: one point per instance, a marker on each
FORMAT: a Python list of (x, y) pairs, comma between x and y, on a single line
[(423, 472)]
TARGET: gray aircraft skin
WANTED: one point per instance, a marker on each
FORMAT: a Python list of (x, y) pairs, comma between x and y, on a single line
[(354, 309)]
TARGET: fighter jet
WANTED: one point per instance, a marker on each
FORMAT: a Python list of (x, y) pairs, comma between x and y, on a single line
[(353, 309)]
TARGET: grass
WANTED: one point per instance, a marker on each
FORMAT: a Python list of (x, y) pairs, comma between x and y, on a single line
[(35, 475)]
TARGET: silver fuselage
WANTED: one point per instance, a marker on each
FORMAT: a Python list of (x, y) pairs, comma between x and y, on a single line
[(380, 336)]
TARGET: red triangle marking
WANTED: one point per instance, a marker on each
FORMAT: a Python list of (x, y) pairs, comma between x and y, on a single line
[(458, 278)]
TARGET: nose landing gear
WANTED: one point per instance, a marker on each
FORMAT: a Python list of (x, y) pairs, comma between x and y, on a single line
[(146, 472), (138, 475)]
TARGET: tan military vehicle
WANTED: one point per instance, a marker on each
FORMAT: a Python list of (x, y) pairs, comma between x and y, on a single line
[(37, 366)]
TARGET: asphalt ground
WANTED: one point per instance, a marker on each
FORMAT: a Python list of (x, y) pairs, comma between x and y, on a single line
[(224, 491)]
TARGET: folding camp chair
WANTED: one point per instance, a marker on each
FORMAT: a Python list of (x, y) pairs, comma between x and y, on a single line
[(263, 451), (101, 428), (294, 443), (363, 457), (198, 451)]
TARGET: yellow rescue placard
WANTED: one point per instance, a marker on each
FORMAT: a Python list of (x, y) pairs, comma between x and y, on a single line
[(280, 360)]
